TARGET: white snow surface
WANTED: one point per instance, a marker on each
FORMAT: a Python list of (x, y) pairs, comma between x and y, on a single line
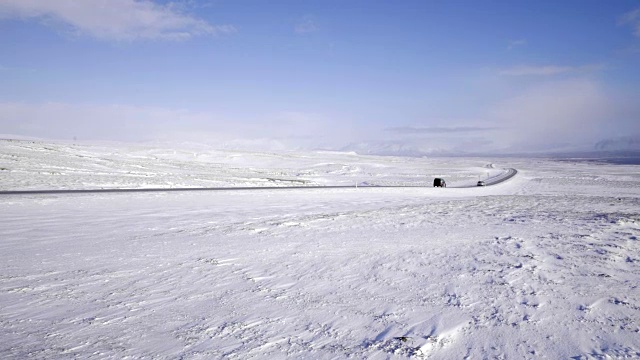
[(545, 265)]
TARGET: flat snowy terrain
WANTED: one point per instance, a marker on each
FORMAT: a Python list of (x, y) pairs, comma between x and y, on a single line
[(544, 265)]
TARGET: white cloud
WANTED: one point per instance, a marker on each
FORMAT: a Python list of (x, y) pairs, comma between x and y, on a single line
[(632, 18), (306, 25), (527, 70), (515, 43), (119, 20), (540, 117), (430, 130), (524, 70), (101, 122), (557, 113), (53, 120)]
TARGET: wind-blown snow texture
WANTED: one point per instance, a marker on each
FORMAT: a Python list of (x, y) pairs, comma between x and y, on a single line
[(545, 265)]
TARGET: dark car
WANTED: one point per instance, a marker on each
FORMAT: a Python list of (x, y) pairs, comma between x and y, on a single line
[(438, 182), (481, 183)]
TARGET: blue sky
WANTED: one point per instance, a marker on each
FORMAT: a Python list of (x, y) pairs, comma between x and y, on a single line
[(426, 75)]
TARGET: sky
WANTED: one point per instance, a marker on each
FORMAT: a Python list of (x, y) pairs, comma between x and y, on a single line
[(423, 76)]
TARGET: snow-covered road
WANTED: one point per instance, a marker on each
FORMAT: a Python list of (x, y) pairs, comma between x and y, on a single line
[(508, 174), (546, 265)]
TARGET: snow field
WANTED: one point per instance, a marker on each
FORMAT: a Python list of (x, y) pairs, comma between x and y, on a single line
[(546, 265), (36, 165)]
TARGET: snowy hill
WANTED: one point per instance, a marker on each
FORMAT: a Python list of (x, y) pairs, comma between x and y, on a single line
[(46, 165)]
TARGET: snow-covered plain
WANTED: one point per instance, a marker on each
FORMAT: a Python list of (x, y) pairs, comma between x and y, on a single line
[(545, 265)]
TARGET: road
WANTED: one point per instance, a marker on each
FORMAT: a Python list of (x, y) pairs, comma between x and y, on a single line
[(494, 180), (509, 173)]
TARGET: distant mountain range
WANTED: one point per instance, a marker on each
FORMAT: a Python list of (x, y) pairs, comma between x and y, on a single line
[(392, 149), (624, 143), (628, 146)]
